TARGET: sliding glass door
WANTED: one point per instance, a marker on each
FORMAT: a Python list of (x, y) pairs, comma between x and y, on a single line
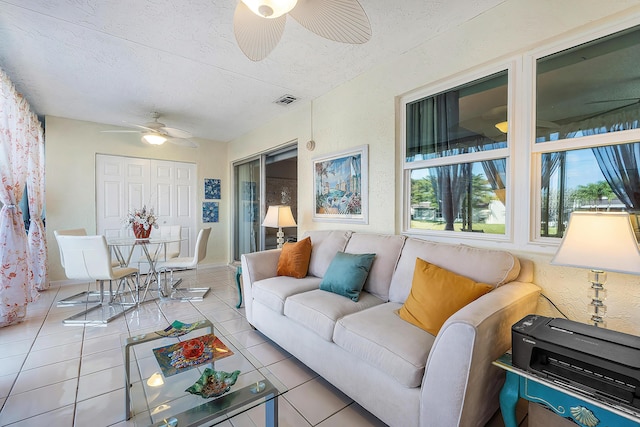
[(248, 185), (267, 179)]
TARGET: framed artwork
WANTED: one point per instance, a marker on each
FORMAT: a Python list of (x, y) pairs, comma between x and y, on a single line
[(340, 186), (211, 188), (209, 211)]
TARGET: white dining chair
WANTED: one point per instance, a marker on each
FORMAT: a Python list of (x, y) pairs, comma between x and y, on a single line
[(84, 297), (186, 263), (89, 258)]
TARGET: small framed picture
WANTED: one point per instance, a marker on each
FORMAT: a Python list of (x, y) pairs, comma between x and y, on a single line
[(211, 188), (210, 212)]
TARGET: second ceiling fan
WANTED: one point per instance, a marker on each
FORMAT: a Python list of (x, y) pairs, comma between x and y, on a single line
[(156, 133), (259, 24)]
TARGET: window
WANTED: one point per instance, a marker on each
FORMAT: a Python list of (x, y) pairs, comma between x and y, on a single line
[(586, 140), (456, 158), (469, 149)]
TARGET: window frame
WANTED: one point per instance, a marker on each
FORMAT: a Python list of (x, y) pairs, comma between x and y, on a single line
[(523, 197), (536, 150), (507, 153)]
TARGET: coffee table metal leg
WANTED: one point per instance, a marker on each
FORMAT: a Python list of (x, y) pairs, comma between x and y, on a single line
[(271, 412)]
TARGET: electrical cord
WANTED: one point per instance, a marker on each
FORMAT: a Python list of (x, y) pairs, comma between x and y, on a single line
[(554, 306)]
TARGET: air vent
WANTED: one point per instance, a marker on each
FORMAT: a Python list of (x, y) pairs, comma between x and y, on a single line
[(286, 100)]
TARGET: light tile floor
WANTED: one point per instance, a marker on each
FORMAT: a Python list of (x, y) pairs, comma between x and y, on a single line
[(72, 375)]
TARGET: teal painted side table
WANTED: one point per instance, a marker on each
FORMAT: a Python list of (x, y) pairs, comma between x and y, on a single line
[(238, 274), (584, 410)]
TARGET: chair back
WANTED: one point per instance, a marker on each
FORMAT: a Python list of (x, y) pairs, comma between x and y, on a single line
[(86, 257), (70, 232), (201, 245), (171, 232)]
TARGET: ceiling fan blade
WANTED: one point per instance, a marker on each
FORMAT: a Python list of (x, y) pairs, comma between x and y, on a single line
[(343, 21), (183, 142), (175, 133), (612, 100), (145, 128), (256, 36), (546, 124)]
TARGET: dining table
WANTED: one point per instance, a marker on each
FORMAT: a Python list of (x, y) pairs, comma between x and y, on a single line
[(154, 250)]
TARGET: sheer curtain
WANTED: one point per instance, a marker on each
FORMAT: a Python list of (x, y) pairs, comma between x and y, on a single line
[(17, 287)]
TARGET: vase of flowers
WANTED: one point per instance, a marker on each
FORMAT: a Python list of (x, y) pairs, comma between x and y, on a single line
[(141, 220)]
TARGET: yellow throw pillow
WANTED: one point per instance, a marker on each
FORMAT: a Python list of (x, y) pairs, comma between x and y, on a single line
[(436, 294), (294, 259)]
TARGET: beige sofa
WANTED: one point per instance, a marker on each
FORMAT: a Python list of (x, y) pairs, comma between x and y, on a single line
[(397, 371)]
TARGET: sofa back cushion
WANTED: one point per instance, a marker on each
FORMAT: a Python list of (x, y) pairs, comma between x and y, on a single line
[(325, 244), (490, 266), (387, 248)]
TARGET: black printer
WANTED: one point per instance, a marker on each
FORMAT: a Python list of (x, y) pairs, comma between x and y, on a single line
[(599, 362)]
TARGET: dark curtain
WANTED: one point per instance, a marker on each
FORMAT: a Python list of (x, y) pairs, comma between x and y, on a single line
[(619, 165), (449, 185), (550, 163), (432, 123), (431, 126)]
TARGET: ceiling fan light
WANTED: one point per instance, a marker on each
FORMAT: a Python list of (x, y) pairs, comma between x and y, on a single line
[(154, 138), (270, 8), (502, 126)]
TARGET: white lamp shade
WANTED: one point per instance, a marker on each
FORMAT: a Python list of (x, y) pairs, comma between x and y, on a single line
[(154, 138), (600, 241), (270, 8), (279, 216)]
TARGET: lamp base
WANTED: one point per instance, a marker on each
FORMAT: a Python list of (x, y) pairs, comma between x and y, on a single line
[(280, 240), (598, 294)]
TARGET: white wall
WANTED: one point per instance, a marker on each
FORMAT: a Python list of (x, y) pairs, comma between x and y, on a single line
[(70, 150), (363, 111)]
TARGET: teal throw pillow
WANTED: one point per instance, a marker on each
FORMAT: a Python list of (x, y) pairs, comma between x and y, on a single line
[(346, 274)]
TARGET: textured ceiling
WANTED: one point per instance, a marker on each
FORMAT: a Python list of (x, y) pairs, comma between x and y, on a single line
[(118, 61)]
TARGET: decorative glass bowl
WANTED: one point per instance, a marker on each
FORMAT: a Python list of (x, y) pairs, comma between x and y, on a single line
[(213, 383)]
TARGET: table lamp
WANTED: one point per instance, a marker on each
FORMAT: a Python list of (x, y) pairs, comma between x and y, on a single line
[(599, 241), (277, 217)]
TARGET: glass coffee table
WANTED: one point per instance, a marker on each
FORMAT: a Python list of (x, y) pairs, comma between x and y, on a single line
[(160, 366)]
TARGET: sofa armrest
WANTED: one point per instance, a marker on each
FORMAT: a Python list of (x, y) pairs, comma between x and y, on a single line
[(257, 266), (460, 385)]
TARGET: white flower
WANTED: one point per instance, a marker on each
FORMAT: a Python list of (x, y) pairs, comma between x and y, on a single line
[(143, 216)]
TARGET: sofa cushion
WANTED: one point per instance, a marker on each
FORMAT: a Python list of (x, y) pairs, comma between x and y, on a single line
[(274, 291), (294, 259), (346, 274), (319, 310), (325, 244), (379, 337), (436, 294), (387, 248), (490, 266)]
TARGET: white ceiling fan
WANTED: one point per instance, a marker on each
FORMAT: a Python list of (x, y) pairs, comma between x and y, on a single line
[(156, 133), (259, 24)]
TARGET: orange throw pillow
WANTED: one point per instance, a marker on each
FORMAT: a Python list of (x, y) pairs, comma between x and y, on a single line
[(436, 294), (294, 259)]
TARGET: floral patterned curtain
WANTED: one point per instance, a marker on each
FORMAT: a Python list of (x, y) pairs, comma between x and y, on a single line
[(16, 278), (37, 242)]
